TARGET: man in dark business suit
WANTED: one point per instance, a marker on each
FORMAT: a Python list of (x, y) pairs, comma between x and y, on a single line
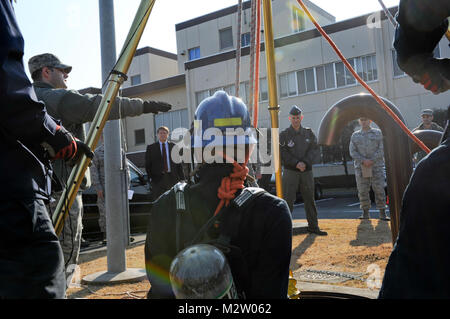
[(163, 173)]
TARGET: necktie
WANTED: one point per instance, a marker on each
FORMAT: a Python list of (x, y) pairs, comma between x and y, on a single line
[(164, 154)]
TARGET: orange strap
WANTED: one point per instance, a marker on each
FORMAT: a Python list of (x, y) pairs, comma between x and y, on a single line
[(257, 56), (230, 184), (361, 81)]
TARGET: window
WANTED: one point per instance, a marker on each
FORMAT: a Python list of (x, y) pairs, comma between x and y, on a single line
[(325, 77), (200, 96), (139, 136), (349, 78), (301, 83), (173, 120), (226, 38), (263, 93), (244, 91), (230, 89), (310, 81), (298, 19), (136, 79), (397, 70), (320, 78), (288, 84), (329, 76), (367, 67), (194, 53), (340, 74), (212, 91), (245, 39)]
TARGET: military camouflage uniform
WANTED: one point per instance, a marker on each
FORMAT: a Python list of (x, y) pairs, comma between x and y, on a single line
[(74, 109), (98, 182), (421, 154), (368, 145)]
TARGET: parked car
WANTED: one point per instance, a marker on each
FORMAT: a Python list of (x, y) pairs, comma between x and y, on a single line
[(139, 205), (318, 192)]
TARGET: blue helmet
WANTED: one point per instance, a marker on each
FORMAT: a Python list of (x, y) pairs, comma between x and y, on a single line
[(222, 119)]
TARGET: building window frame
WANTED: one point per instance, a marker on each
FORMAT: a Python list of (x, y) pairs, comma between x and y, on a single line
[(139, 137), (194, 53), (135, 80), (304, 77), (245, 39), (298, 20), (226, 43)]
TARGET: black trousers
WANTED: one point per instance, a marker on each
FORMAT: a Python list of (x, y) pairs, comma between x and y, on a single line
[(163, 184), (31, 260)]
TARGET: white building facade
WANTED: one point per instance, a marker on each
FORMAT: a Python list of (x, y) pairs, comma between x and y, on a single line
[(309, 73)]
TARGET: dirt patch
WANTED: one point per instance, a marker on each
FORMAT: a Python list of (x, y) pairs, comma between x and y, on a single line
[(351, 246)]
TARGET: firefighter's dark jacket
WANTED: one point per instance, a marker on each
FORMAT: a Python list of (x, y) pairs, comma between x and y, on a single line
[(298, 146), (420, 261), (24, 123), (264, 236)]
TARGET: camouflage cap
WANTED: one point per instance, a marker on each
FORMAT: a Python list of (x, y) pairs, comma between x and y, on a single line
[(46, 59), (427, 112)]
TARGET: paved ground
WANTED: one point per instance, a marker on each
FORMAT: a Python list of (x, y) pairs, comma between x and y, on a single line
[(336, 204), (342, 204)]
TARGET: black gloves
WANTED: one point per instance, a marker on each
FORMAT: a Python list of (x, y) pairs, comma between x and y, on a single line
[(64, 146), (414, 45), (432, 73), (156, 106), (82, 148)]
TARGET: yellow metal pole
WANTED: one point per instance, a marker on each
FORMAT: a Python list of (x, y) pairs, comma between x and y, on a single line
[(116, 78), (274, 108)]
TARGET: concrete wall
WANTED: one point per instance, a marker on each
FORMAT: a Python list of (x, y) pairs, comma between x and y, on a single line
[(151, 67), (162, 67)]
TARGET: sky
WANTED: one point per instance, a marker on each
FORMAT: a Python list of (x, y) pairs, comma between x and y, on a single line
[(70, 28)]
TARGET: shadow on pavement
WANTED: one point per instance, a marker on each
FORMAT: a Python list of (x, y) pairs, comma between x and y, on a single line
[(371, 233), (300, 249)]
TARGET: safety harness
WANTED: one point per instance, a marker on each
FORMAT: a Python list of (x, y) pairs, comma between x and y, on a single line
[(220, 230)]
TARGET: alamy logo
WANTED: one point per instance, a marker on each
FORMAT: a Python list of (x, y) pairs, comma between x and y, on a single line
[(207, 146), (374, 279), (374, 20), (74, 278)]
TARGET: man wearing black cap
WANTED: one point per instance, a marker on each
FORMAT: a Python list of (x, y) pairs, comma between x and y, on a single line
[(298, 147), (73, 109)]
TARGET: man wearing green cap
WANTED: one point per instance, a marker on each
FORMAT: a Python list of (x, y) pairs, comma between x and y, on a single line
[(427, 124), (73, 109), (298, 148)]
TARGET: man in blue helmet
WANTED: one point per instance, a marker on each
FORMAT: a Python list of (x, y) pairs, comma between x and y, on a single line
[(252, 227)]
